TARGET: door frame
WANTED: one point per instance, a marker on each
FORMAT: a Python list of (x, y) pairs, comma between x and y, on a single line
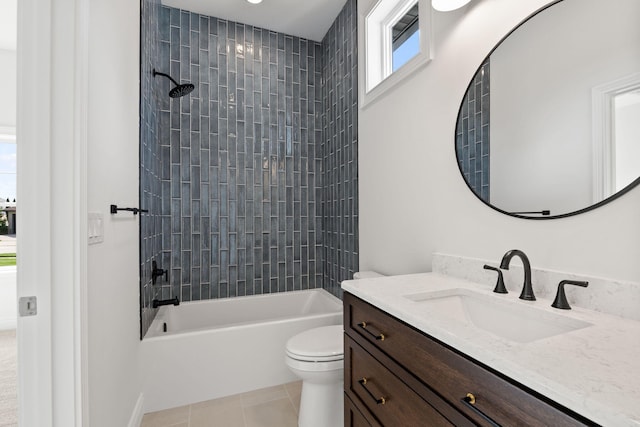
[(603, 133), (51, 190)]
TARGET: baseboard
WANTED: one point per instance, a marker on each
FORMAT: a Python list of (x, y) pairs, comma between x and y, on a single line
[(138, 412)]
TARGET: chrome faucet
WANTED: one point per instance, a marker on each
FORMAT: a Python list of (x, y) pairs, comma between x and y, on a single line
[(527, 288)]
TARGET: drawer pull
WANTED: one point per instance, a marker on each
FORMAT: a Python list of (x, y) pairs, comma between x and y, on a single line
[(379, 337), (379, 401), (470, 401)]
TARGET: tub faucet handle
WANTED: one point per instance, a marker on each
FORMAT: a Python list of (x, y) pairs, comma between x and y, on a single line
[(157, 272)]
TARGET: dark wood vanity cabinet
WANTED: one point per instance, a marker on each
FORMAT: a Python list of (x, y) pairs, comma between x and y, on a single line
[(396, 375)]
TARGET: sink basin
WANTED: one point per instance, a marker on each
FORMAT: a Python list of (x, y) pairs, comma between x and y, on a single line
[(512, 320)]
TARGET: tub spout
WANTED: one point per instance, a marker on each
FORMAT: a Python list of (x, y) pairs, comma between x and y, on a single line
[(157, 303)]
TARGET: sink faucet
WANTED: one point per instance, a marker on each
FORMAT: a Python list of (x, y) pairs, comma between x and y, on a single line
[(527, 288)]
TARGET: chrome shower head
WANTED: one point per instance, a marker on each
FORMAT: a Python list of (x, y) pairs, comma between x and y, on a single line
[(180, 89)]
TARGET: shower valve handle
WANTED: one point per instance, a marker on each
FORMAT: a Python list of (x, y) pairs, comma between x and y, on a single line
[(157, 272)]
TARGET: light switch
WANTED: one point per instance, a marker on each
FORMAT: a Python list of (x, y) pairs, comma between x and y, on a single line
[(96, 228)]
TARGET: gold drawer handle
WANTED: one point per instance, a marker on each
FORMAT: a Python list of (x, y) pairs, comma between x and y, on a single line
[(379, 401), (379, 336), (470, 401)]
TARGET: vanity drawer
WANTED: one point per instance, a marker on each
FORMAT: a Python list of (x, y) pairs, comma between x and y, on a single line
[(353, 416), (388, 399), (452, 375)]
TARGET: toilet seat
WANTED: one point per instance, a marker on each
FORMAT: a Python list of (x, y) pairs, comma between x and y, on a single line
[(324, 344)]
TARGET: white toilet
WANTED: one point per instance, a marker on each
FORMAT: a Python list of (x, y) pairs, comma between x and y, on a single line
[(316, 356)]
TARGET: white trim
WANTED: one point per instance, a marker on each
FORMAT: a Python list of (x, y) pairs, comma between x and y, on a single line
[(138, 412), (376, 21), (35, 395), (603, 133), (48, 180), (80, 161)]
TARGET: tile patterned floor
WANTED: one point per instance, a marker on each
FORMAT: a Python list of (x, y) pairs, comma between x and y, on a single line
[(269, 407)]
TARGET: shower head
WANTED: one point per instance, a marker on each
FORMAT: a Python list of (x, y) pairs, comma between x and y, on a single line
[(180, 89)]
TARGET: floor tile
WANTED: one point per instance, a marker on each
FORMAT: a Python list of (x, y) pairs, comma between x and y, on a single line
[(225, 412), (235, 400), (264, 395), (294, 390), (277, 413), (167, 418)]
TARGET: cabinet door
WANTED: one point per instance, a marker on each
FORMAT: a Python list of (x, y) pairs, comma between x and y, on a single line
[(352, 415), (388, 399)]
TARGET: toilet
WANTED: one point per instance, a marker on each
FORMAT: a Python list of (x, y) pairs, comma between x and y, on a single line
[(316, 356)]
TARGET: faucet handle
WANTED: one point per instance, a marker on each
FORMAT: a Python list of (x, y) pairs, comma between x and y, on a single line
[(561, 299), (500, 288)]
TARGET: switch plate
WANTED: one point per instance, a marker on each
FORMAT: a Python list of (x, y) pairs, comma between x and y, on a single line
[(95, 227)]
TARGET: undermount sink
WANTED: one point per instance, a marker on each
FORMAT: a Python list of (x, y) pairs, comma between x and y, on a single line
[(513, 320)]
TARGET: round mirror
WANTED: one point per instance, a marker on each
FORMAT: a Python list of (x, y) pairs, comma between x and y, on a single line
[(550, 124)]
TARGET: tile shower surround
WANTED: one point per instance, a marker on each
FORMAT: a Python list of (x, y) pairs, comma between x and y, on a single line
[(150, 163), (472, 134), (252, 181), (340, 150)]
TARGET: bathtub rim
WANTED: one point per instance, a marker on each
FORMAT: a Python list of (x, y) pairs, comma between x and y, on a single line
[(242, 325)]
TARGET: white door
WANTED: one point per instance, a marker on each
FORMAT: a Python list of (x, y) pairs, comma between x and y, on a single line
[(51, 258)]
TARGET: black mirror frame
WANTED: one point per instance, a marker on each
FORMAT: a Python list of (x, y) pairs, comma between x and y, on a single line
[(609, 199)]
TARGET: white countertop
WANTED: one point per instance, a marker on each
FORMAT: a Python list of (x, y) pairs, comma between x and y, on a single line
[(594, 371)]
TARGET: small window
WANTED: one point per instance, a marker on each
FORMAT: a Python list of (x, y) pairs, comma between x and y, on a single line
[(396, 43), (405, 36)]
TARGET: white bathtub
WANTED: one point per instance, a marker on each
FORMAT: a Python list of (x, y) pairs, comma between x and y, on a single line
[(217, 348)]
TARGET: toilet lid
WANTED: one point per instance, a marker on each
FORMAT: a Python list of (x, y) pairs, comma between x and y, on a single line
[(319, 344)]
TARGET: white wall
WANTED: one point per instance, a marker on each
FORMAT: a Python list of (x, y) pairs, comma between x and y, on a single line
[(7, 88), (541, 81), (113, 283), (413, 201)]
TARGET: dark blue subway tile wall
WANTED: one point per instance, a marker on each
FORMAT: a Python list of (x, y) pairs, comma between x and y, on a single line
[(340, 150), (150, 160), (472, 134), (240, 157), (255, 172)]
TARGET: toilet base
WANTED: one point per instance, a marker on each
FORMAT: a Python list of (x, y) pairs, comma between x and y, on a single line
[(321, 405)]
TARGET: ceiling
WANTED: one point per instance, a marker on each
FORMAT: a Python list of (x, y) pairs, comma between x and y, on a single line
[(8, 24), (309, 19)]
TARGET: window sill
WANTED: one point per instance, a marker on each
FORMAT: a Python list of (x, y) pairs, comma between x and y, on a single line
[(397, 77)]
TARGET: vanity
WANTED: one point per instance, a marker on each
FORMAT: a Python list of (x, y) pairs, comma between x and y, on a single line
[(416, 355), (440, 349)]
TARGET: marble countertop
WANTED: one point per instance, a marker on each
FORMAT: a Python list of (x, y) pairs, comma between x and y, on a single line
[(595, 371)]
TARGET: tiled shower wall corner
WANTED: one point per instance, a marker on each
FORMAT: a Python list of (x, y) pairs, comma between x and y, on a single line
[(340, 150), (241, 159), (150, 183), (472, 133)]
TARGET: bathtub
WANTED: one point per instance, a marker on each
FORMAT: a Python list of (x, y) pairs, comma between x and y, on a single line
[(217, 348)]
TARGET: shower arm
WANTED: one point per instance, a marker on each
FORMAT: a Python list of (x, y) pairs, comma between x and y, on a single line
[(158, 73)]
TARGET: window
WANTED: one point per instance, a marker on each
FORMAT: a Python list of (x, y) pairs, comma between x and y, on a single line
[(7, 164), (405, 39), (396, 43)]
